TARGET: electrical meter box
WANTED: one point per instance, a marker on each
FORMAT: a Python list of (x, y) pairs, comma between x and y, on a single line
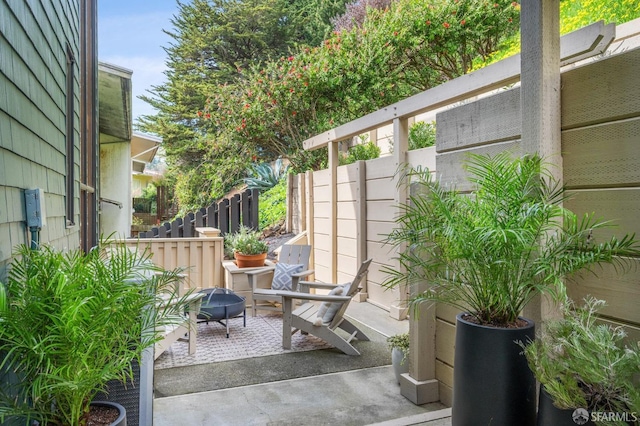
[(34, 203)]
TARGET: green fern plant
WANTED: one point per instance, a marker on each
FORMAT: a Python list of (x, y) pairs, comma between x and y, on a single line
[(490, 252), (71, 322)]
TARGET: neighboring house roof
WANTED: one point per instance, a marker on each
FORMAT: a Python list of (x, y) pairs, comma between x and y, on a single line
[(143, 150), (114, 94)]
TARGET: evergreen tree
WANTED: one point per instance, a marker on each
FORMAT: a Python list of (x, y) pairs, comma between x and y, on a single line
[(213, 41)]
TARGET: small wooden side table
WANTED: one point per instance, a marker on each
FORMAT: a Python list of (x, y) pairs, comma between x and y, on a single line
[(236, 280)]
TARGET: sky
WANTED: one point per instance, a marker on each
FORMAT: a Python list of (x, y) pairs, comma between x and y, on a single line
[(130, 36)]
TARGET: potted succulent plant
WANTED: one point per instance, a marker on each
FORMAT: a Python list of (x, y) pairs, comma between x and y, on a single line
[(585, 368), (399, 345), (72, 322), (247, 248), (489, 253)]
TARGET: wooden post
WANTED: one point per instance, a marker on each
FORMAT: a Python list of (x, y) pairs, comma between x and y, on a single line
[(333, 210), (301, 222), (540, 93), (234, 213), (212, 216), (245, 205), (361, 224), (254, 210), (187, 225), (200, 218), (288, 223), (223, 216), (308, 195), (400, 147)]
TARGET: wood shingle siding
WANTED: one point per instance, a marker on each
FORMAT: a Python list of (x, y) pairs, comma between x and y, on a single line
[(33, 41)]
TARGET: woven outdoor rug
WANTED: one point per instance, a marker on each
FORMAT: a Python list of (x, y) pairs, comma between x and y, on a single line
[(261, 337)]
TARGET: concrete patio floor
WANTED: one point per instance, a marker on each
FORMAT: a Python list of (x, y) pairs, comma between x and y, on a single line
[(367, 396)]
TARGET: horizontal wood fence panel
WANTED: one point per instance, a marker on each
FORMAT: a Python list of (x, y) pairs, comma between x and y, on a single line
[(447, 313), (347, 265), (347, 191), (321, 194), (380, 252), (381, 189), (444, 373), (606, 90), (347, 210), (450, 164), (321, 178), (322, 274), (381, 211), (383, 167), (321, 209), (202, 257), (321, 225), (347, 173), (377, 231), (347, 246), (381, 296), (445, 341), (621, 291), (621, 206), (602, 156), (425, 157), (322, 241), (347, 228), (321, 256), (376, 273), (492, 119)]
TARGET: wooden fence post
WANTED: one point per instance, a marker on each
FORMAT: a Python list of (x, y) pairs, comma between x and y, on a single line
[(234, 214), (200, 216), (254, 210), (187, 225), (245, 205), (223, 216), (213, 220)]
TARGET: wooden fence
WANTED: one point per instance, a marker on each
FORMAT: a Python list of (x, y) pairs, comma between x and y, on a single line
[(201, 258), (346, 210), (226, 215)]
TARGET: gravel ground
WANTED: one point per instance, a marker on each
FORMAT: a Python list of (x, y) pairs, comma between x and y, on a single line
[(276, 237)]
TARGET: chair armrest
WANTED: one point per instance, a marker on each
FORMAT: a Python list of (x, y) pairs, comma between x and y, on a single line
[(306, 285), (303, 273), (260, 271), (295, 279), (317, 297)]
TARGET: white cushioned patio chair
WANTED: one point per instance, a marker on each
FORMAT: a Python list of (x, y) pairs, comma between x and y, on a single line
[(265, 283), (322, 320)]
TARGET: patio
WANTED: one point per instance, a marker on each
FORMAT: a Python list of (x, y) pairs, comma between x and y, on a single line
[(311, 384)]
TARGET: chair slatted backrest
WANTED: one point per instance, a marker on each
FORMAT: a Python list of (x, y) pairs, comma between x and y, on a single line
[(353, 289), (295, 254)]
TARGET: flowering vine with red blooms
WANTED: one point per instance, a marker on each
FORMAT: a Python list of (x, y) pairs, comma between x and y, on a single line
[(396, 52)]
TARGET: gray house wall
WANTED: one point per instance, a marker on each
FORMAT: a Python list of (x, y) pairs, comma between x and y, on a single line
[(33, 67)]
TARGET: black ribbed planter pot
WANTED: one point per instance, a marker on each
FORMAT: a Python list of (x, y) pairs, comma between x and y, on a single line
[(550, 415), (492, 382)]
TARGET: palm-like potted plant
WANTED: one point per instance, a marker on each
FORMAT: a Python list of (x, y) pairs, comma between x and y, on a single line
[(399, 345), (247, 247), (72, 322), (489, 253), (583, 365)]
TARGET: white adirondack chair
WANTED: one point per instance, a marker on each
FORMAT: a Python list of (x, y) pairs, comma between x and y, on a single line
[(322, 320)]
